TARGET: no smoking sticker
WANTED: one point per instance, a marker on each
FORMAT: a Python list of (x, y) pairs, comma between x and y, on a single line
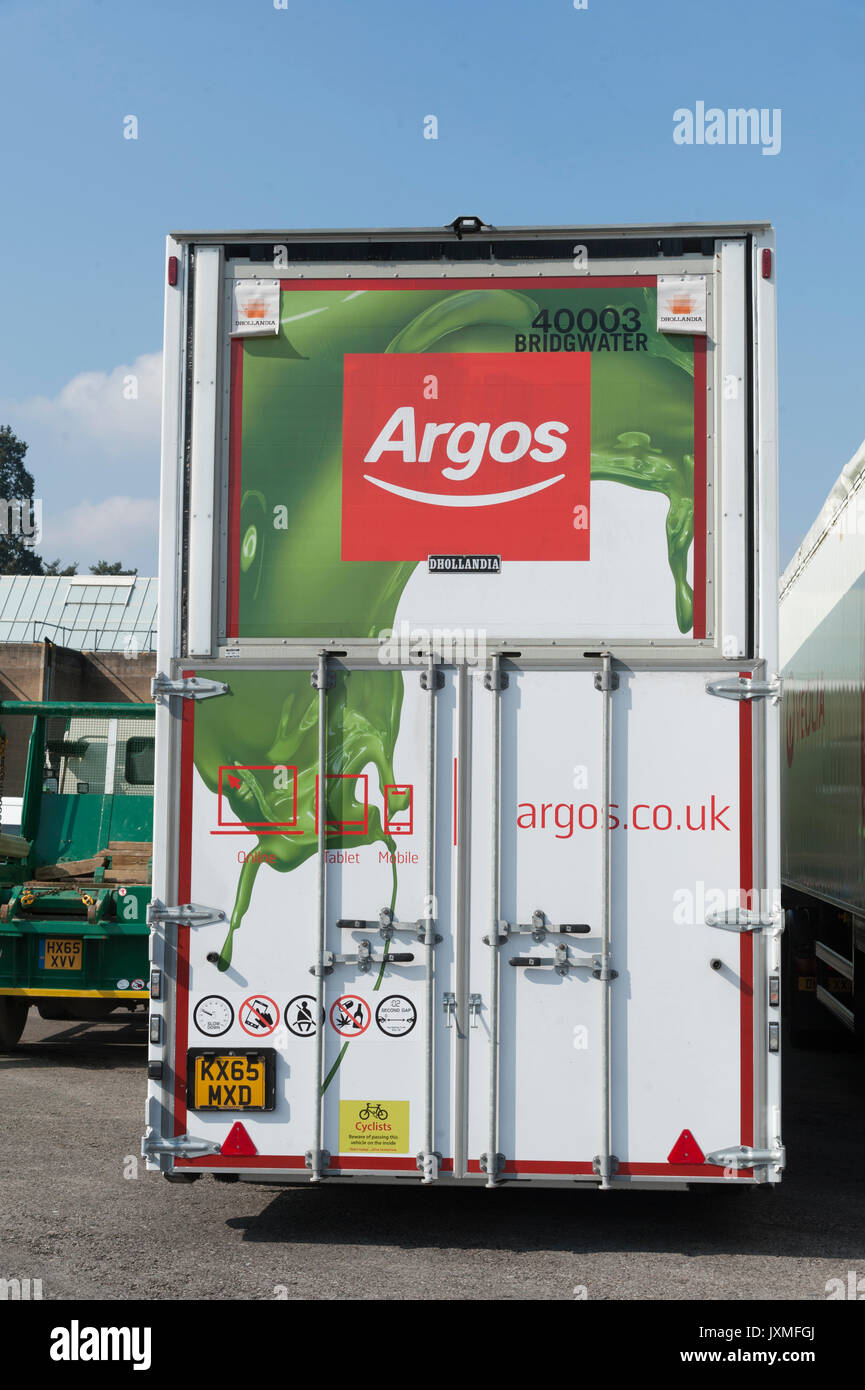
[(395, 1016), (258, 1015), (350, 1016)]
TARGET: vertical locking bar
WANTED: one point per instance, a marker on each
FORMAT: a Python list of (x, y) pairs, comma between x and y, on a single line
[(430, 1166), (606, 686), (495, 904), (321, 933)]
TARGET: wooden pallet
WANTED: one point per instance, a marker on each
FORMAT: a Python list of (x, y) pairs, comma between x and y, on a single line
[(124, 861)]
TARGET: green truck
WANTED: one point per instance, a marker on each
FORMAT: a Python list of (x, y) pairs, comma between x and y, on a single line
[(75, 884)]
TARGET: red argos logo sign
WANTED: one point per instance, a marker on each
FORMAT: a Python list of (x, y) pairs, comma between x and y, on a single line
[(466, 453)]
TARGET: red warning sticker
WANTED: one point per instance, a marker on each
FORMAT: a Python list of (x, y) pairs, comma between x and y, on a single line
[(258, 1015), (350, 1016)]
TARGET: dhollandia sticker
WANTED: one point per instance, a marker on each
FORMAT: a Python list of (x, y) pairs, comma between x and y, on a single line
[(682, 304), (373, 1126), (255, 308), (467, 454)]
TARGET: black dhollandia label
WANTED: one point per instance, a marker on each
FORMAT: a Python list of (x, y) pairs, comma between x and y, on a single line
[(465, 564)]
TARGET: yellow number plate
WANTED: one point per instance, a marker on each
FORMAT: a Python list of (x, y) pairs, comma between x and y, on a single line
[(231, 1080), (61, 953)]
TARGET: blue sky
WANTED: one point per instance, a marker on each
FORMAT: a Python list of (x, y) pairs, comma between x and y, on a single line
[(312, 116)]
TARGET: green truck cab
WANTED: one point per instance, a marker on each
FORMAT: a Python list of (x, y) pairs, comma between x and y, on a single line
[(75, 884)]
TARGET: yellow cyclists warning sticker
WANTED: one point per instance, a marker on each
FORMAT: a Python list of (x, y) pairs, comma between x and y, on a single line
[(373, 1126)]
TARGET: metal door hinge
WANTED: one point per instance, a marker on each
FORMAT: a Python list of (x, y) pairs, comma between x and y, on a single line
[(606, 1166), (186, 915), (499, 1163), (606, 680), (746, 688), (315, 675), (181, 1146), (741, 1156), (324, 1158), (186, 688), (428, 1164), (742, 919)]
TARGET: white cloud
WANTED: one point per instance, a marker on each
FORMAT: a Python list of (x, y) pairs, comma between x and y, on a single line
[(117, 528), (93, 450), (102, 407)]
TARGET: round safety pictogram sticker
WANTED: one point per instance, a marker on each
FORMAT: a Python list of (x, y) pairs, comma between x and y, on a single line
[(300, 1016), (258, 1015), (395, 1016), (350, 1015)]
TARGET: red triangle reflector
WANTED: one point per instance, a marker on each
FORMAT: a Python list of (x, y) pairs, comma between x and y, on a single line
[(686, 1150), (239, 1142)]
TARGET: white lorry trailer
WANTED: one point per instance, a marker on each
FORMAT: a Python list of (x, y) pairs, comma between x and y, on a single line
[(466, 863), (822, 631)]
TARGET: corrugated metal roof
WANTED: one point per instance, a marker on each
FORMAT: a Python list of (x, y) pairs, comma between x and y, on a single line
[(94, 613)]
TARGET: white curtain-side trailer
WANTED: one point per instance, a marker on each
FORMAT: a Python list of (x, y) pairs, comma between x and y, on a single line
[(466, 861), (822, 640)]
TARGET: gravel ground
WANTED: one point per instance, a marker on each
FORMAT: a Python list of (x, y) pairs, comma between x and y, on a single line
[(71, 1102)]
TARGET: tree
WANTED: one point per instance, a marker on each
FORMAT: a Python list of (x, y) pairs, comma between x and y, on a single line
[(17, 555), (53, 567), (103, 567)]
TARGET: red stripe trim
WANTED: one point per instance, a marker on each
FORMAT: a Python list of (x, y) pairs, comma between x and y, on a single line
[(456, 792), (561, 282), (632, 1170), (184, 882), (343, 1162), (235, 436), (699, 623), (349, 1162), (746, 941)]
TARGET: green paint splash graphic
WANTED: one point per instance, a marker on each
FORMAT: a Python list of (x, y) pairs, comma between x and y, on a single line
[(292, 579)]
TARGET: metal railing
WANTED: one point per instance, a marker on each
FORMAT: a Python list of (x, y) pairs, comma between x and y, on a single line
[(143, 638)]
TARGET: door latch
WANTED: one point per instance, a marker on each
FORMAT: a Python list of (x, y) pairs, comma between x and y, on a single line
[(363, 959)]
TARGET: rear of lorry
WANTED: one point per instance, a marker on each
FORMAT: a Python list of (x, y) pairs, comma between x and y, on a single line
[(466, 865), (75, 884), (822, 633)]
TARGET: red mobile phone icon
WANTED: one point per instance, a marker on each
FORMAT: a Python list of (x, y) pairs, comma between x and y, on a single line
[(391, 792)]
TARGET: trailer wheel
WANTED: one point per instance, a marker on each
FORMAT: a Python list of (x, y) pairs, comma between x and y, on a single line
[(13, 1016)]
